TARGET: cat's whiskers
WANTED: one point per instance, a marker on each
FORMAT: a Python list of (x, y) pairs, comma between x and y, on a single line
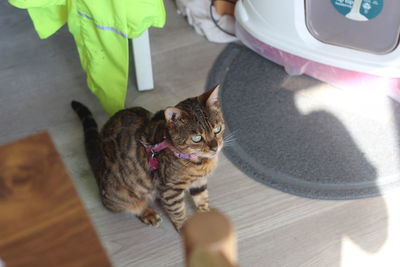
[(232, 139), (229, 138), (229, 144)]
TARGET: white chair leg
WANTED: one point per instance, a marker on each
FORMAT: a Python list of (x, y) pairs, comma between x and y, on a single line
[(142, 58)]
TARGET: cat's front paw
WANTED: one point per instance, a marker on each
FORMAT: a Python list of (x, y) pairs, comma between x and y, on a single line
[(203, 208), (178, 225), (150, 217)]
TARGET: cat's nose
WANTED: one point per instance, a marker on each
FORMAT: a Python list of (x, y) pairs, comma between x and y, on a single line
[(213, 145)]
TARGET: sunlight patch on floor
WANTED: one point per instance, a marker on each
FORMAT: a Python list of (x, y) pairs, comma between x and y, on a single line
[(367, 115), (370, 104), (387, 255)]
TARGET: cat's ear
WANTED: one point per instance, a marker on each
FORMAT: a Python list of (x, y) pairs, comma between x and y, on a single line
[(173, 114), (210, 98)]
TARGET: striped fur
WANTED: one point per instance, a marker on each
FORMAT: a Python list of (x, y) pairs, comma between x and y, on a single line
[(120, 163)]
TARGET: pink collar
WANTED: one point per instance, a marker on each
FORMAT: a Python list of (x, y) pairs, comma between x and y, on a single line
[(153, 150)]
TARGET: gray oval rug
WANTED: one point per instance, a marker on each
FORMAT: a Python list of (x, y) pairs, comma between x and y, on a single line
[(304, 137)]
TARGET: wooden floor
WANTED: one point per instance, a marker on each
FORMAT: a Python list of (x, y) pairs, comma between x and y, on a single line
[(39, 78)]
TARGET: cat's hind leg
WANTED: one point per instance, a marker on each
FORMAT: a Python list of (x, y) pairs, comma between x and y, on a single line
[(124, 201), (145, 214), (150, 217)]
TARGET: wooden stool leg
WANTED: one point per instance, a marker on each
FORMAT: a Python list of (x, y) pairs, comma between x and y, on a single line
[(209, 240)]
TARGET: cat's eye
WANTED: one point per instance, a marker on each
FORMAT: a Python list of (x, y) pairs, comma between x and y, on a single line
[(217, 129), (196, 138)]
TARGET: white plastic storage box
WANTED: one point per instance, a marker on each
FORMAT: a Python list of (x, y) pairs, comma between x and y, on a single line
[(347, 43)]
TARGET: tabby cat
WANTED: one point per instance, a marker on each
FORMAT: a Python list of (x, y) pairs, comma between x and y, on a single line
[(138, 156)]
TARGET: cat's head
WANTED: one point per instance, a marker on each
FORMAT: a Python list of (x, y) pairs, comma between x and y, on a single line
[(196, 125)]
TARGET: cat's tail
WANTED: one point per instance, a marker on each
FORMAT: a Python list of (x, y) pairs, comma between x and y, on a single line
[(93, 147)]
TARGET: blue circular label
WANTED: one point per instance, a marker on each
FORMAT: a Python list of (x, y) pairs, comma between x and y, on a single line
[(360, 10)]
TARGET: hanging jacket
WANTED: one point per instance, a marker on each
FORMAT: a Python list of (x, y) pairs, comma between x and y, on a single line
[(101, 29)]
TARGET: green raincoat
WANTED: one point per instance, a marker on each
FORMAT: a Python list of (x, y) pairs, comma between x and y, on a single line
[(101, 29)]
